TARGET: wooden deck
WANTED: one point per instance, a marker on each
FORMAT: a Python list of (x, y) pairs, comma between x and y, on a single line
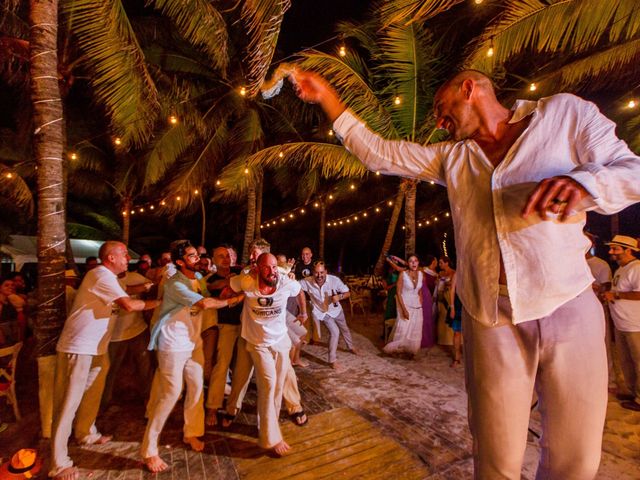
[(335, 444)]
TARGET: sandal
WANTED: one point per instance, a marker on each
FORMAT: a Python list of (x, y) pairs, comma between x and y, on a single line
[(299, 418), (226, 418)]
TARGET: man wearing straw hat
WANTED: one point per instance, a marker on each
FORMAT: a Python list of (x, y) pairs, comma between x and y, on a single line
[(624, 304)]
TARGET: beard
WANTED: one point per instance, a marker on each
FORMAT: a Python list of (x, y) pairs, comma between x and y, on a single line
[(270, 280)]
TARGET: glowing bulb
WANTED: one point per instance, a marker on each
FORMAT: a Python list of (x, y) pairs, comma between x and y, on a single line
[(490, 52), (291, 215), (196, 192), (478, 2), (218, 182), (243, 91), (9, 175), (330, 132), (397, 100), (330, 197), (340, 222), (343, 51), (352, 186), (389, 203), (377, 209), (348, 221), (117, 141), (302, 210), (141, 210), (334, 224), (446, 214), (364, 214), (632, 104), (435, 219), (133, 212), (178, 198), (261, 226), (151, 207), (428, 222), (403, 227), (419, 224), (533, 87), (329, 224), (163, 203), (355, 219), (316, 204), (281, 154), (124, 213), (377, 172), (282, 219), (173, 120), (246, 170), (74, 156), (432, 182)]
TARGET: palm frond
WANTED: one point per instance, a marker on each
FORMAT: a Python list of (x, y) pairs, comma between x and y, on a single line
[(202, 25), (410, 11), (347, 75), (79, 230), (407, 63), (13, 187), (120, 79), (263, 19), (331, 161), (604, 68), (553, 26), (166, 149)]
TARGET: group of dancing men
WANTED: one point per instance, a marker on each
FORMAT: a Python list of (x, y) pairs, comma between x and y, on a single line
[(520, 181)]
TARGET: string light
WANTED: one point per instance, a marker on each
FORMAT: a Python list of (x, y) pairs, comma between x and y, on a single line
[(124, 213), (142, 210), (282, 219), (330, 132), (173, 120), (291, 215), (9, 175), (196, 192), (316, 204), (281, 154), (302, 210), (364, 214), (74, 156), (133, 212), (243, 91), (377, 209), (377, 172), (478, 2), (397, 100), (163, 203), (178, 198), (342, 51), (432, 182), (390, 203), (246, 170), (330, 197), (218, 183), (533, 87), (352, 186), (117, 141), (632, 104), (151, 207)]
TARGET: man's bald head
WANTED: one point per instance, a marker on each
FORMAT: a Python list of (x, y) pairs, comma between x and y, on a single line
[(108, 247), (267, 265), (115, 256), (481, 80)]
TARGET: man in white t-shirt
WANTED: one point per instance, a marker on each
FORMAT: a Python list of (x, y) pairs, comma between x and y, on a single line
[(176, 337), (82, 362), (264, 329), (624, 303), (130, 337), (325, 292)]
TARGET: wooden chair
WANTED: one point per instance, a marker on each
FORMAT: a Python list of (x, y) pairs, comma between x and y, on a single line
[(8, 376)]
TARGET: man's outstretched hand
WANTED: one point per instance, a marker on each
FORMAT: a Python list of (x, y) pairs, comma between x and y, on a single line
[(557, 195), (312, 88)]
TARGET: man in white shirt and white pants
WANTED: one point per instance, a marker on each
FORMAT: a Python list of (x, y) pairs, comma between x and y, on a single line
[(82, 360), (325, 292), (624, 304), (514, 177)]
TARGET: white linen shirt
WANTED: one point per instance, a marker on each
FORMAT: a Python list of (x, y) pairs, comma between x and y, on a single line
[(321, 295), (543, 260), (626, 313)]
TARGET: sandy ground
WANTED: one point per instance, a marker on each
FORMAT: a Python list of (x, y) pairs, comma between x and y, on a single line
[(422, 403)]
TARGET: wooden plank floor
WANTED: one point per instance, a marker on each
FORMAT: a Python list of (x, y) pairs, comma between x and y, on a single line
[(335, 444)]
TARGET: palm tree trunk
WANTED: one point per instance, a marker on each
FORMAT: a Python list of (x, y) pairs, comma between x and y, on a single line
[(323, 226), (48, 146), (251, 221), (204, 222), (126, 219), (393, 221), (410, 217), (259, 189)]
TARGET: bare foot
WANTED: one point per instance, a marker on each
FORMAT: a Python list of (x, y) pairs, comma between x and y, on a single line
[(281, 448), (103, 439), (196, 444), (211, 419), (155, 464), (455, 363), (69, 473), (336, 366), (301, 363), (354, 351)]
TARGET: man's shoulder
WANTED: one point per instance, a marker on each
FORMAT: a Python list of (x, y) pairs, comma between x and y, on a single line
[(563, 102)]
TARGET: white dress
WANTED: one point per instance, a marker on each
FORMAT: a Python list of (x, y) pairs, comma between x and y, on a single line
[(407, 332)]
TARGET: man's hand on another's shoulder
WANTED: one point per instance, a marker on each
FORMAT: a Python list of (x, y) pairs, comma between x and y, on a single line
[(557, 195)]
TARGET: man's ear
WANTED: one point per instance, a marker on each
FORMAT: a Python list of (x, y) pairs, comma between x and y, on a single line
[(467, 88), (179, 263)]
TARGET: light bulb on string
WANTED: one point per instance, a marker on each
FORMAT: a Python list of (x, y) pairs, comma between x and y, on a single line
[(342, 51), (490, 51), (435, 219), (316, 204), (163, 203), (281, 154), (390, 203), (329, 224), (218, 183), (291, 215), (446, 214), (282, 219), (377, 209), (355, 219), (432, 182), (173, 120), (428, 222), (335, 224), (340, 222), (478, 2), (330, 197), (246, 170), (9, 175), (419, 224), (330, 133), (403, 227), (133, 212), (142, 210), (348, 221), (352, 186), (533, 87), (124, 213), (117, 141), (243, 91), (364, 214), (397, 100), (151, 207), (74, 156), (632, 104), (377, 172), (178, 198), (302, 210)]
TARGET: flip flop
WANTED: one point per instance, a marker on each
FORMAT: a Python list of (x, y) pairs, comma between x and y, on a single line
[(297, 418)]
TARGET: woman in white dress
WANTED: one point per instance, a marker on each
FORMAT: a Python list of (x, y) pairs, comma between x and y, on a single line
[(407, 332)]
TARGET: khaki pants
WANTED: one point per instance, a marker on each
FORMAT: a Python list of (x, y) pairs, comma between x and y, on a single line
[(336, 326), (136, 349), (242, 371), (629, 348), (174, 369), (227, 339), (271, 365), (209, 345), (563, 357), (79, 382)]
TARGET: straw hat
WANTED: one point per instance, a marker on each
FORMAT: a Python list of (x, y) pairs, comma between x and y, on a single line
[(624, 242), (25, 463)]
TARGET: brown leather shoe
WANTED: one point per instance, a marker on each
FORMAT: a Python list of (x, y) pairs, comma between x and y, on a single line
[(631, 405)]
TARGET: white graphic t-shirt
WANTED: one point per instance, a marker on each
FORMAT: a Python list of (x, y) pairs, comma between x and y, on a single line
[(264, 317)]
